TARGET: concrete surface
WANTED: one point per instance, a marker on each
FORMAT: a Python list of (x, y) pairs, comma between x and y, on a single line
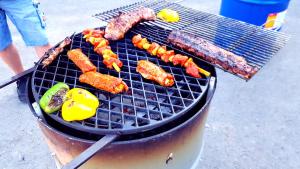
[(252, 125)]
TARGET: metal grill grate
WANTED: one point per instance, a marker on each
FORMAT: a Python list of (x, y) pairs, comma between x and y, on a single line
[(146, 104), (255, 44)]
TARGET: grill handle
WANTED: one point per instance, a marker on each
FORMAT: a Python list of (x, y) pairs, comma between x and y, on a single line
[(17, 77), (90, 152), (211, 87)]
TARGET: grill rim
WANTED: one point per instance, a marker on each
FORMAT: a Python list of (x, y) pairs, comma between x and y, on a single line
[(121, 131)]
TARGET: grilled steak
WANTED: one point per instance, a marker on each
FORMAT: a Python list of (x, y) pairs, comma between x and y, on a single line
[(211, 53), (119, 25)]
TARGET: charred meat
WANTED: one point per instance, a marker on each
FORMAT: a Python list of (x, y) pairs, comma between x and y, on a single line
[(211, 53), (104, 82), (151, 71), (81, 60), (53, 53), (119, 25)]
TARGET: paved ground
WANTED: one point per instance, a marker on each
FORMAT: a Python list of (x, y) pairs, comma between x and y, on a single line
[(252, 125)]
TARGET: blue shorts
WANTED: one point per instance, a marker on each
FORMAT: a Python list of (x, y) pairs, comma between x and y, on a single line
[(27, 19)]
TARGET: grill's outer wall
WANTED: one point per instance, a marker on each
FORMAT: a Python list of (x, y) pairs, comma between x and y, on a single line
[(183, 141)]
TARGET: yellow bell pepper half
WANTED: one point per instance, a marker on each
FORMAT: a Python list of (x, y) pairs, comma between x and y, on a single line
[(80, 105), (168, 15)]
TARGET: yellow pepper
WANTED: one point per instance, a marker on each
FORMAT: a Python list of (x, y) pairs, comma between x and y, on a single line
[(80, 105), (168, 15)]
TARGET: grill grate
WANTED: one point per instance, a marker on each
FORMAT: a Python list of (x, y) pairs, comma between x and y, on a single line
[(255, 44), (146, 104)]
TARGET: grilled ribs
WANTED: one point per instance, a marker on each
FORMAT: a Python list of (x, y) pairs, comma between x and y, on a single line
[(81, 60), (104, 82), (151, 71), (119, 25), (213, 54)]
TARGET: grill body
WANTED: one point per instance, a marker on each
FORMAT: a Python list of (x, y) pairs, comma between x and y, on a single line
[(179, 147), (176, 145)]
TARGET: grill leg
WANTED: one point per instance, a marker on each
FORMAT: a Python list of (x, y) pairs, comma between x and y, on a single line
[(57, 162)]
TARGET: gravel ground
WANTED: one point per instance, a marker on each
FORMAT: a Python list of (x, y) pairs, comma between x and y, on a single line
[(253, 125)]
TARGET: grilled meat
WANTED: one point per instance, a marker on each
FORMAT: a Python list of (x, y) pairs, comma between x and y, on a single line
[(101, 46), (119, 25), (104, 82), (152, 72), (211, 53), (81, 60), (169, 56), (53, 53)]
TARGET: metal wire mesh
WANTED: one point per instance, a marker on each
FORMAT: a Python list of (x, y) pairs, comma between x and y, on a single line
[(256, 44), (146, 104)]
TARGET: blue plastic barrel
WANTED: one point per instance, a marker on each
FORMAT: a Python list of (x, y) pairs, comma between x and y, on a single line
[(270, 13)]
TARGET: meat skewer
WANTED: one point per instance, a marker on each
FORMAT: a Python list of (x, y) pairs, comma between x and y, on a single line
[(104, 82), (213, 54), (161, 52), (119, 25), (151, 71), (53, 53), (101, 46), (81, 60)]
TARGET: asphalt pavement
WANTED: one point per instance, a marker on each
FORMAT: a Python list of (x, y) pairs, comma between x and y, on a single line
[(251, 125)]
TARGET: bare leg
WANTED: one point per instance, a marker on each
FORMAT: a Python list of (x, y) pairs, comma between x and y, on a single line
[(40, 50), (11, 57)]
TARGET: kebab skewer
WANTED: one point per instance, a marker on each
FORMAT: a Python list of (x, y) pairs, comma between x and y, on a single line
[(161, 52), (53, 53), (101, 46)]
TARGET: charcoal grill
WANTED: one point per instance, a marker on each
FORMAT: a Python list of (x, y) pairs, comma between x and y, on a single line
[(148, 114), (144, 107)]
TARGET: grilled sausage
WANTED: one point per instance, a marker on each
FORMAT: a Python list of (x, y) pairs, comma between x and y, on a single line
[(104, 82), (152, 72), (81, 60)]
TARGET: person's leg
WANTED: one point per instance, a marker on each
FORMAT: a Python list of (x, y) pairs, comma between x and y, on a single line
[(28, 20), (11, 57), (8, 52), (40, 50)]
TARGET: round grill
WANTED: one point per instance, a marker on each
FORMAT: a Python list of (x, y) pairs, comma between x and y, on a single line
[(145, 106)]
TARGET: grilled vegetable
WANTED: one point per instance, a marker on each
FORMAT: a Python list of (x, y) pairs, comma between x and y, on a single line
[(168, 15), (54, 97), (80, 105)]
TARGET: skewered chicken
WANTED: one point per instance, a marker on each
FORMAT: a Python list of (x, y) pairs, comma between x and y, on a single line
[(81, 60), (152, 72), (104, 82), (53, 53), (169, 56), (213, 54), (101, 46), (119, 25)]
